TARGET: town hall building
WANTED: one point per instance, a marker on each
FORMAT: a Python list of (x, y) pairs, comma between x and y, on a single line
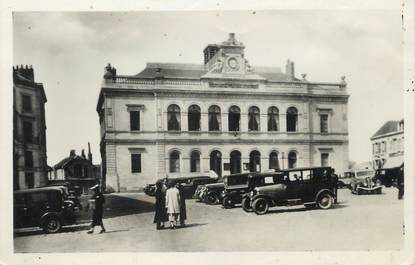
[(224, 115)]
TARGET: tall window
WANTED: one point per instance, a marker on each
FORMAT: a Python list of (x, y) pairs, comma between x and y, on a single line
[(292, 119), (28, 158), (174, 162), (28, 131), (273, 119), (234, 118), (195, 161), (253, 119), (324, 159), (292, 160), (193, 117), (324, 123), (173, 118), (214, 118), (27, 103), (135, 163), (30, 179), (273, 160), (255, 161), (235, 162), (216, 162), (134, 120)]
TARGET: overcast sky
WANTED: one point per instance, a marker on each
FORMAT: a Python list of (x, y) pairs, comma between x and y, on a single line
[(70, 50)]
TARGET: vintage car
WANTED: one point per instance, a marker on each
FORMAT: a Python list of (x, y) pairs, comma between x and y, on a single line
[(239, 184), (314, 186), (345, 180), (189, 184), (389, 176), (212, 193), (365, 183), (47, 208)]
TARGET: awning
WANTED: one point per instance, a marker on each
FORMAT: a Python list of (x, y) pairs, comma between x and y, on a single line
[(394, 161)]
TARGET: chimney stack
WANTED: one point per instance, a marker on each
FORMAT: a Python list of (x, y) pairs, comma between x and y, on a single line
[(83, 153), (289, 70), (89, 153), (72, 153)]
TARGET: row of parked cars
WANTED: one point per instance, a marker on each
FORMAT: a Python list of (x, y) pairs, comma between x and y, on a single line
[(257, 192)]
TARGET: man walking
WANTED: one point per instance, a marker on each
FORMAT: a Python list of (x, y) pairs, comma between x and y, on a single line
[(97, 202)]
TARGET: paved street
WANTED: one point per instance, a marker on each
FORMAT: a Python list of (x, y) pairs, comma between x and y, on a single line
[(365, 222)]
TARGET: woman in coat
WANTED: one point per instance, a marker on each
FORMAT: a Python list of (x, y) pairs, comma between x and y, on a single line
[(183, 215), (160, 216), (97, 203), (173, 205)]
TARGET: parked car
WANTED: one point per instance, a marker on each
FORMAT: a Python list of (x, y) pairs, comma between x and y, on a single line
[(189, 184), (314, 186), (212, 193), (345, 180), (47, 208), (389, 176), (238, 184), (365, 183)]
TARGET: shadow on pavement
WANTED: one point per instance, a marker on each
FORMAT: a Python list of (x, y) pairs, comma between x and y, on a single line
[(115, 231), (193, 225), (39, 231)]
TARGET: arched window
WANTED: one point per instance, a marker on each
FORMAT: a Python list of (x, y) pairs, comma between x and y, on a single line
[(216, 162), (292, 160), (255, 161), (214, 118), (234, 118), (273, 119), (195, 161), (292, 119), (235, 162), (273, 160), (173, 118), (253, 119), (174, 161), (193, 118)]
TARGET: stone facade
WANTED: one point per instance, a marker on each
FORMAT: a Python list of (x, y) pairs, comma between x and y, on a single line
[(224, 115), (29, 130), (388, 145)]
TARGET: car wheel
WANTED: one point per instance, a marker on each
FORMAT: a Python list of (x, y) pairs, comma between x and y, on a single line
[(52, 225), (325, 201), (260, 206), (246, 205), (228, 202), (211, 198)]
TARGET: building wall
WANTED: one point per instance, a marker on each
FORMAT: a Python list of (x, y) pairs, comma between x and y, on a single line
[(155, 143), (38, 145), (389, 146)]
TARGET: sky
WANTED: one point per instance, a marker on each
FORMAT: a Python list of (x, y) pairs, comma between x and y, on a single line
[(70, 50)]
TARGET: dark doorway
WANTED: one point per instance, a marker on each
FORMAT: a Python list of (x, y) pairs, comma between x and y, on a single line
[(235, 162), (216, 162)]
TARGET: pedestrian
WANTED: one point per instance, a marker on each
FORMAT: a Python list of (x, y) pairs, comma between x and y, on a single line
[(97, 202), (182, 215), (173, 204), (160, 207)]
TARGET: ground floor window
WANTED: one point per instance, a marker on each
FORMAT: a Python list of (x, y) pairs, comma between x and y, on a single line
[(325, 160), (235, 162), (195, 161), (30, 180), (216, 162), (273, 161), (255, 161), (135, 163), (292, 160), (174, 162)]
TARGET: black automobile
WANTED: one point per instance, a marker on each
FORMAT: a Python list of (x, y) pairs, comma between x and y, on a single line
[(238, 184), (189, 184), (211, 194), (389, 176), (47, 208), (311, 187)]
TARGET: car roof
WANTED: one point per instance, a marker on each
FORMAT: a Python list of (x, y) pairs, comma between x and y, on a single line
[(54, 188), (302, 168)]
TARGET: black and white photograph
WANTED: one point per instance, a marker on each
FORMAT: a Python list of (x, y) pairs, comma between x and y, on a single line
[(209, 131)]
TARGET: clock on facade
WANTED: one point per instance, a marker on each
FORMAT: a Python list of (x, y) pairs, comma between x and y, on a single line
[(233, 63)]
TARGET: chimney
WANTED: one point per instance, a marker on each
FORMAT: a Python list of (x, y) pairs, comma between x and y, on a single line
[(83, 153), (72, 153), (289, 70), (89, 153)]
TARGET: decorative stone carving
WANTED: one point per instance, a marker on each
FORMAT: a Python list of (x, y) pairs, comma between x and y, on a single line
[(217, 66), (248, 67)]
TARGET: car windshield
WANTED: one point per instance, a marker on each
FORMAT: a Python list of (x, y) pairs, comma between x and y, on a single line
[(361, 174)]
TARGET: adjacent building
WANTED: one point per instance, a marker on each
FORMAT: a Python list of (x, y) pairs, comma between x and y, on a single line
[(388, 145), (29, 130), (76, 171), (223, 115)]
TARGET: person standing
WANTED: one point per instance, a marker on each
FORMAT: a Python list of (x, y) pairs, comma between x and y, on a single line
[(173, 204), (160, 216), (182, 215), (97, 202)]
